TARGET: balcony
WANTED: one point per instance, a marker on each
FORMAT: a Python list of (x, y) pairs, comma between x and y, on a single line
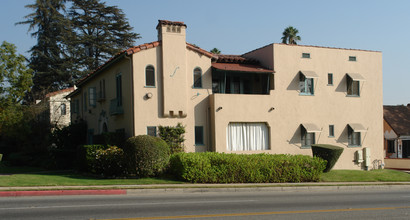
[(116, 107)]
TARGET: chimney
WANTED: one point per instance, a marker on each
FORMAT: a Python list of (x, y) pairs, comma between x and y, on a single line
[(172, 35)]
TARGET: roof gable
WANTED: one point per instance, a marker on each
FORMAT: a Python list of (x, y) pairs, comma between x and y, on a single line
[(398, 117)]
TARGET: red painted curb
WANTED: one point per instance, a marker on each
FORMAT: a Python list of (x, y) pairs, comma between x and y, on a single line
[(63, 192)]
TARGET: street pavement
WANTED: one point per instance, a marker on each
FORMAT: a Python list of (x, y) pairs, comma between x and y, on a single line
[(195, 188)]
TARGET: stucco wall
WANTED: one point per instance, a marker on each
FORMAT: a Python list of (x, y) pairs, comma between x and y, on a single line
[(329, 105)]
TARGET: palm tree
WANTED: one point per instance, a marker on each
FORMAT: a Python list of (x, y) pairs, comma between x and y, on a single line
[(215, 51), (290, 35)]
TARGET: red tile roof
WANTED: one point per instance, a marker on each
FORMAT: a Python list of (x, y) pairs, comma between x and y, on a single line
[(128, 51), (59, 92), (139, 48), (241, 67), (398, 117), (201, 51)]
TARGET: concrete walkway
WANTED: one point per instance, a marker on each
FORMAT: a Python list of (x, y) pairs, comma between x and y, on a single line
[(195, 188)]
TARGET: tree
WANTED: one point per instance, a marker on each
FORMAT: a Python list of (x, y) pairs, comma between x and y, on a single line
[(290, 35), (215, 51), (15, 77), (48, 58), (100, 32)]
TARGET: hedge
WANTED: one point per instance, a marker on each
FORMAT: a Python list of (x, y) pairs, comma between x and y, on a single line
[(146, 156), (328, 152), (212, 167)]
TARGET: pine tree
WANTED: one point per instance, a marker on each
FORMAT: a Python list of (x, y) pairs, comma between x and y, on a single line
[(100, 32), (48, 58)]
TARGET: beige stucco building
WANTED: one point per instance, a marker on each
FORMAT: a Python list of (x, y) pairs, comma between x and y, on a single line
[(277, 99), (55, 108)]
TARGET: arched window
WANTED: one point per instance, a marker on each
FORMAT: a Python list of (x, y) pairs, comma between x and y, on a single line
[(197, 78), (150, 76), (63, 109)]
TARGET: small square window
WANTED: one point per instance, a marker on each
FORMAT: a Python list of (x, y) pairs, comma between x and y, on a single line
[(330, 79), (305, 55), (331, 130), (199, 135), (152, 131), (352, 58)]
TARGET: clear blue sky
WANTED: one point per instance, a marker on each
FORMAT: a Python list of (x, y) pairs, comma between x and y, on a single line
[(238, 26)]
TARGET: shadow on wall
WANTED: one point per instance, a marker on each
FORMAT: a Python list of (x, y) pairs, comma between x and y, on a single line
[(296, 138), (342, 87), (343, 138), (294, 84)]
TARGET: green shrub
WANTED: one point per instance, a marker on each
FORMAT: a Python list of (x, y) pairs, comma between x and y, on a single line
[(328, 152), (110, 138), (86, 157), (174, 136), (146, 155), (109, 162), (214, 167)]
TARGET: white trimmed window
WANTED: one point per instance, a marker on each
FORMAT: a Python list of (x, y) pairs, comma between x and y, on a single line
[(247, 136)]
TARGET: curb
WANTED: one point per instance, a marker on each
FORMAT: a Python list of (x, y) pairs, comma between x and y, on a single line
[(63, 192)]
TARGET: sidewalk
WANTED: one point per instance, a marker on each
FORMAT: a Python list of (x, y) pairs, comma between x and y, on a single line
[(195, 188)]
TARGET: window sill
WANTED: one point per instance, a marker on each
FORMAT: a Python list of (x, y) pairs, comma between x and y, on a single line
[(306, 94), (354, 96), (354, 146), (306, 147), (330, 136), (150, 87), (197, 87), (200, 145), (330, 84)]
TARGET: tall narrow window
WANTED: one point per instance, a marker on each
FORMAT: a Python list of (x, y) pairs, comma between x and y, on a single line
[(92, 96), (199, 135), (197, 78), (353, 87), (390, 146), (63, 109), (308, 138), (85, 101), (150, 76), (118, 89), (306, 85), (331, 130), (354, 137), (101, 93), (330, 79)]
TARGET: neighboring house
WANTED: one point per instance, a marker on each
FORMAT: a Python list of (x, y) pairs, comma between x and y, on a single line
[(57, 108), (277, 99), (397, 136)]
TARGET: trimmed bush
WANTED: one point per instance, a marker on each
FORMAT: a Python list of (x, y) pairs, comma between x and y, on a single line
[(86, 157), (328, 152), (109, 162), (174, 136), (212, 167), (146, 155)]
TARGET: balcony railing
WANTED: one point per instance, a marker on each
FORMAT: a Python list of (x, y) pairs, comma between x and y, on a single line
[(116, 107)]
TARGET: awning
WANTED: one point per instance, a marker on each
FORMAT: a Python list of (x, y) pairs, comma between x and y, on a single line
[(309, 74), (356, 76), (310, 128), (241, 67), (357, 127)]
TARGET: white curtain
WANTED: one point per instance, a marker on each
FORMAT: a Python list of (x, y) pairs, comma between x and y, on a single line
[(247, 137)]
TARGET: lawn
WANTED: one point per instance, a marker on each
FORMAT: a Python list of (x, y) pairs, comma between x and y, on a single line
[(385, 175), (26, 176)]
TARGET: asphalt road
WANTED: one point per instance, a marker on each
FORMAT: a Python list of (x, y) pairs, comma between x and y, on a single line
[(306, 204)]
